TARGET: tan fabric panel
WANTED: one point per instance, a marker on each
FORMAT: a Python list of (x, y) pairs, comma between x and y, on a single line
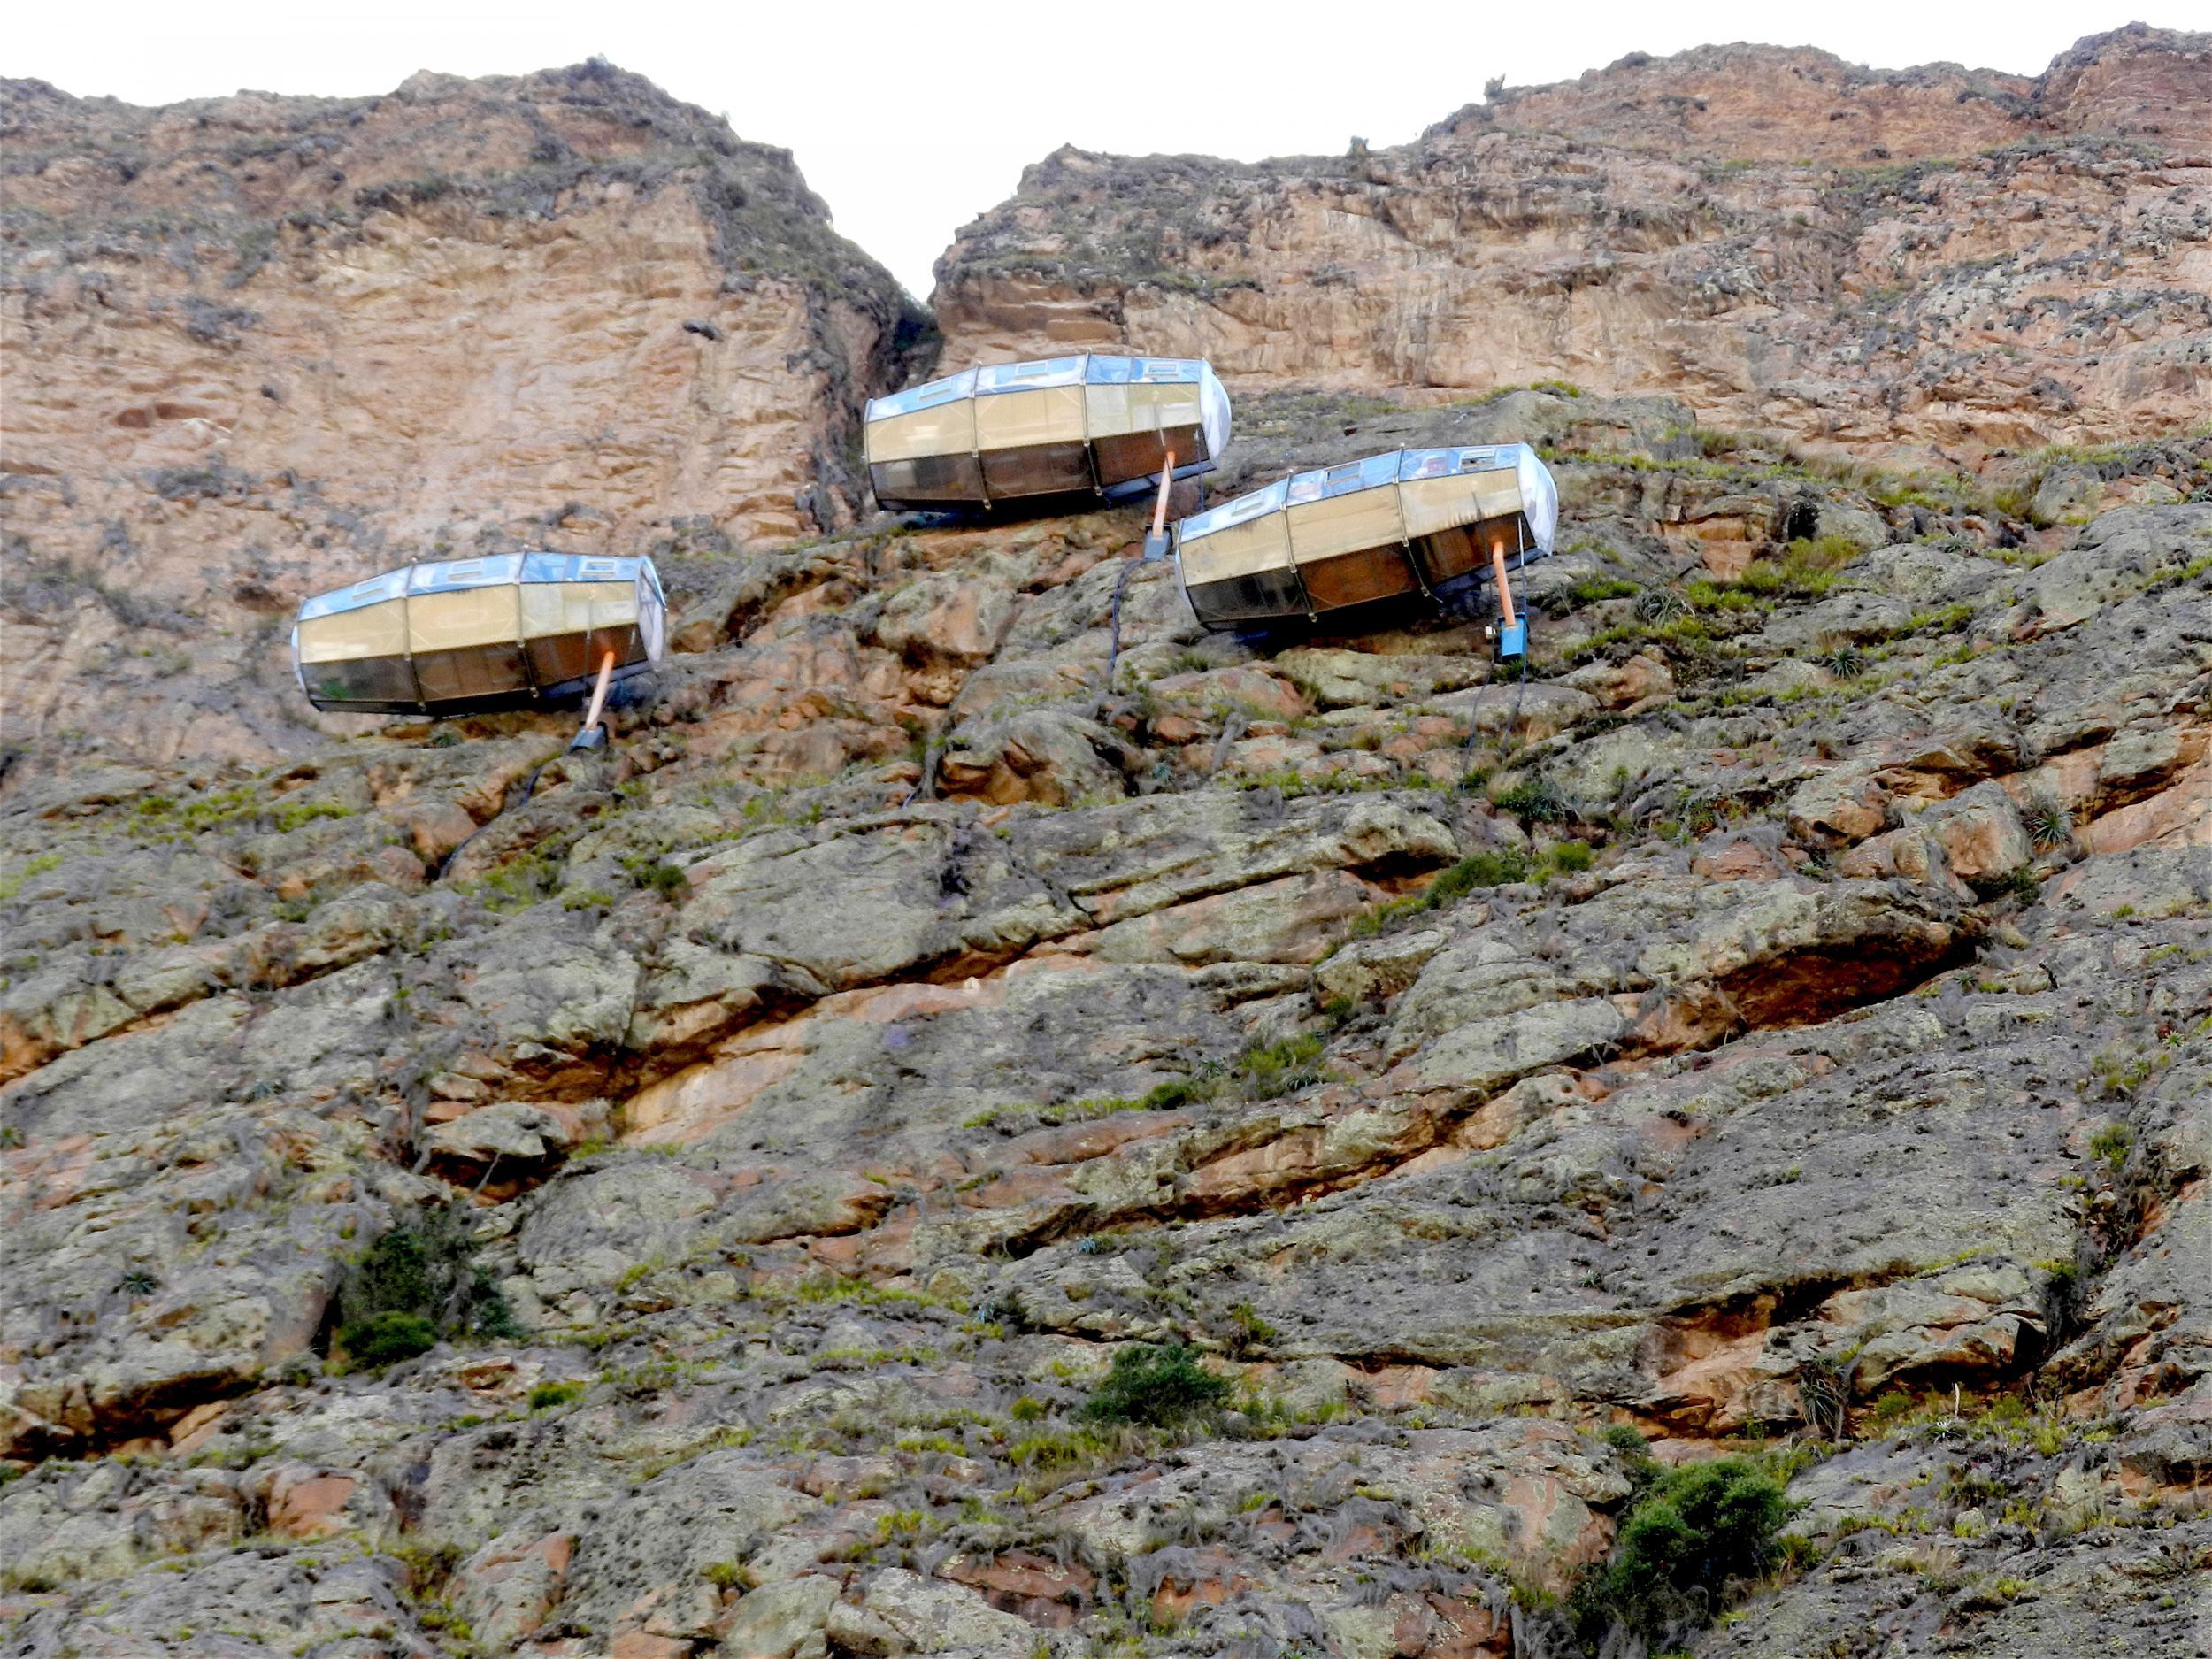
[(1344, 524), (1439, 504), (1014, 421), (572, 607), (1116, 410), (1258, 545), (948, 429), (373, 630), (466, 616), (1498, 494), (1154, 406), (1106, 410)]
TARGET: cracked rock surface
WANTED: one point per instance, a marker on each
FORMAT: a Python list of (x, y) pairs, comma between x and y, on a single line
[(1779, 1026)]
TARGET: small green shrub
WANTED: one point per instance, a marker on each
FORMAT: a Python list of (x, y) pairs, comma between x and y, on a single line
[(2111, 1144), (1635, 1451), (1949, 620), (1248, 1332), (1156, 1385), (1690, 1540), (655, 877), (1281, 1068), (548, 1394), (1809, 564), (384, 1339), (424, 1271), (1535, 801), (1569, 858), (2015, 884), (1591, 590), (1057, 1448), (1179, 1092), (1474, 873)]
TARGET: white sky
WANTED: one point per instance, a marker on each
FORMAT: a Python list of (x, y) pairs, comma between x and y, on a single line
[(1007, 83)]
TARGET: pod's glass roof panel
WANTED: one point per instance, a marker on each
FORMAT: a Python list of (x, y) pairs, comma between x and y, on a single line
[(447, 575), (374, 591), (1443, 462), (583, 567), (1231, 512), (493, 570), (928, 395), (1370, 473), (1023, 377), (1104, 370)]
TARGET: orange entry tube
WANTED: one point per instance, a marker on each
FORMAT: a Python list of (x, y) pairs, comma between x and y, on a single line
[(1159, 507), (1505, 594), (606, 678)]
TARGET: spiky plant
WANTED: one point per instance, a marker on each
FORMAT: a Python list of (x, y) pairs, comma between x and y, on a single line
[(2050, 823)]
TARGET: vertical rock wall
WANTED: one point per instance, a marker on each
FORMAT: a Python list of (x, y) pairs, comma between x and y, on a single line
[(258, 346)]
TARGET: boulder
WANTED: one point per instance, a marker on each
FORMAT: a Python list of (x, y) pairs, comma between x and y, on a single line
[(1838, 807), (1525, 712), (786, 1619), (902, 1613), (2117, 555), (1051, 757), (1369, 970), (1622, 685)]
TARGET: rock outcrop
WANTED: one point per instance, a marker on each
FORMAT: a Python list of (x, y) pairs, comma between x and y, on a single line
[(258, 346), (702, 1197), (1950, 261)]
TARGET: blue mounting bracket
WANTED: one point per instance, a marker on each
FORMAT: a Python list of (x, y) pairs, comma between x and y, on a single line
[(1512, 641)]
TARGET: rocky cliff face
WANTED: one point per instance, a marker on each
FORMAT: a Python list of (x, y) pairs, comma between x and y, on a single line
[(259, 346), (707, 1197), (1952, 261)]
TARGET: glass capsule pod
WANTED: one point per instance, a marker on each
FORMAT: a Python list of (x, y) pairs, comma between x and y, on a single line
[(1412, 521), (1055, 425), (464, 635)]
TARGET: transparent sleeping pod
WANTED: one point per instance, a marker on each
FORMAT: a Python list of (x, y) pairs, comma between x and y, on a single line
[(1411, 521), (464, 636), (1054, 425)]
